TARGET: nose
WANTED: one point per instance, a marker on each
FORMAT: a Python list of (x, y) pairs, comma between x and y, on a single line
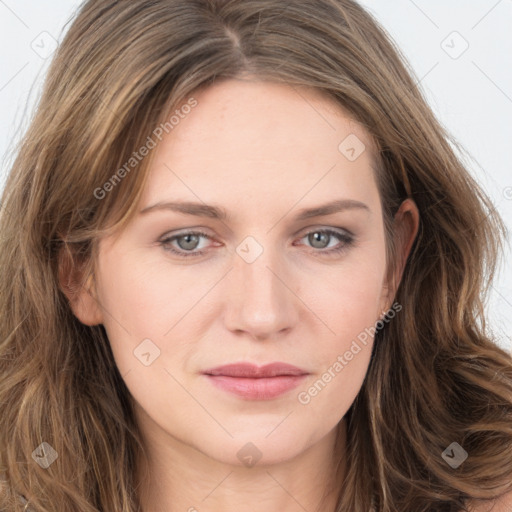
[(262, 300)]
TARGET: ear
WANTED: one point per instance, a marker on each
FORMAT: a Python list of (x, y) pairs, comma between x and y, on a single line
[(405, 228), (82, 296)]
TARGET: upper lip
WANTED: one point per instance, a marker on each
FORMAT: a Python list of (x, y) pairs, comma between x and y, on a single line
[(250, 370)]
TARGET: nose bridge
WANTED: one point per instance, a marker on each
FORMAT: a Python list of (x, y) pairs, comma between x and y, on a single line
[(262, 303)]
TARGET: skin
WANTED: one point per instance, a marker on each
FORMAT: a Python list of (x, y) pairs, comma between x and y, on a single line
[(262, 152)]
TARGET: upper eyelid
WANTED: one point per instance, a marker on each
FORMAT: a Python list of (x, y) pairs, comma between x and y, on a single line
[(203, 232), (307, 229)]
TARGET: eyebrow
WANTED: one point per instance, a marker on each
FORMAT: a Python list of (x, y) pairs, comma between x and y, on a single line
[(215, 212)]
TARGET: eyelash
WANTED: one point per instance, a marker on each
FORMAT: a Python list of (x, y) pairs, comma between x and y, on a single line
[(346, 238)]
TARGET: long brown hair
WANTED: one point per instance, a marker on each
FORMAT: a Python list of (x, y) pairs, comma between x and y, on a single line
[(435, 377)]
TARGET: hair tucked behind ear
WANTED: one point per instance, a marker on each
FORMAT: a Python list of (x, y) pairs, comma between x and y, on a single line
[(435, 376)]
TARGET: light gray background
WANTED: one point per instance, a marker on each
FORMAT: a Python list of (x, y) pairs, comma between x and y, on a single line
[(469, 89)]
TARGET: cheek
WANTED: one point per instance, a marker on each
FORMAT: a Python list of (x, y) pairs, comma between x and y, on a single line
[(138, 304), (350, 296), (351, 310), (140, 296), (330, 393), (350, 304)]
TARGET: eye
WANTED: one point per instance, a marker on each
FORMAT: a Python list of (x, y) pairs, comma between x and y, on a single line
[(320, 238), (188, 242)]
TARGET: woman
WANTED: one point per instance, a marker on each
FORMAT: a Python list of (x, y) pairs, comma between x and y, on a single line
[(318, 346)]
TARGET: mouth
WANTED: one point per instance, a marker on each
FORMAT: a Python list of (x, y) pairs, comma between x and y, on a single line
[(251, 382)]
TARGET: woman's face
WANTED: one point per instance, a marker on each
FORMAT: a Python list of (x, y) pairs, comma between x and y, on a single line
[(272, 281)]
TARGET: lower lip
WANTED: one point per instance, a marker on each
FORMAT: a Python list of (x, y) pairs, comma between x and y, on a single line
[(264, 388)]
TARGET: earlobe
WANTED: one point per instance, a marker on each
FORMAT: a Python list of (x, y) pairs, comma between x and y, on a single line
[(82, 297)]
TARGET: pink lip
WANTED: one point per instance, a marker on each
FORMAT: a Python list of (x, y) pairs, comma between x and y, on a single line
[(256, 383)]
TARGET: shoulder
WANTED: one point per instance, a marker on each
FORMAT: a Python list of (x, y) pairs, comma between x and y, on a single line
[(504, 504)]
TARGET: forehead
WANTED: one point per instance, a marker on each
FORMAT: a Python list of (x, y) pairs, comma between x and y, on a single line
[(254, 142), (265, 117)]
